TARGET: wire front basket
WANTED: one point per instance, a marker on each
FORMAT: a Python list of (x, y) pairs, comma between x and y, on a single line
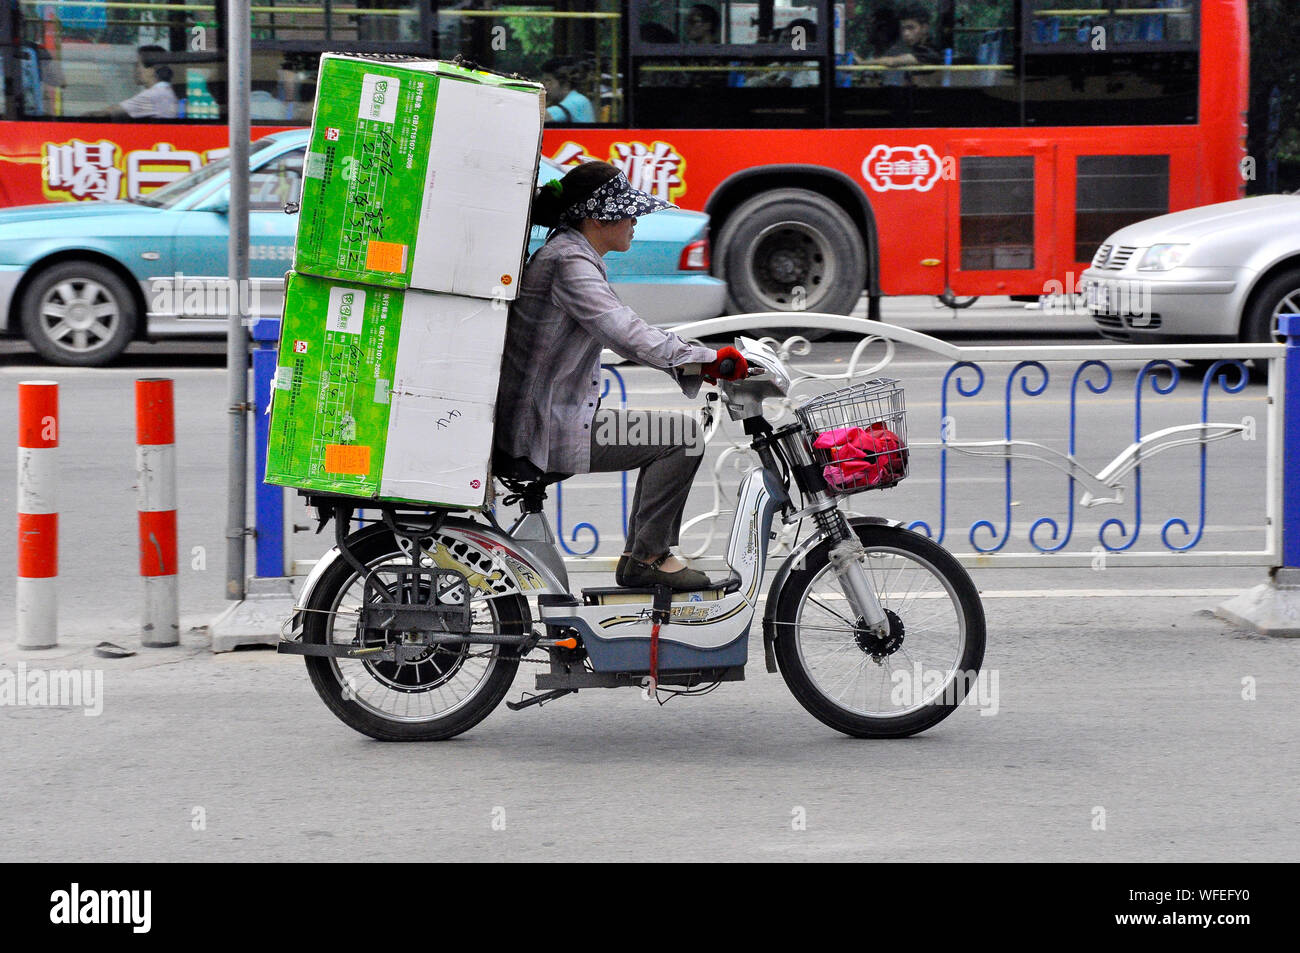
[(858, 436)]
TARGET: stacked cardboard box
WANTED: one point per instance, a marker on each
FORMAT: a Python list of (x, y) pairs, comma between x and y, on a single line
[(411, 238)]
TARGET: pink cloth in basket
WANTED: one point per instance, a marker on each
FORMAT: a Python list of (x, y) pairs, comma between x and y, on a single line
[(863, 457)]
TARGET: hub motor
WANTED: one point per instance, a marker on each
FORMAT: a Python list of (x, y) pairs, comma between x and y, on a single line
[(881, 646)]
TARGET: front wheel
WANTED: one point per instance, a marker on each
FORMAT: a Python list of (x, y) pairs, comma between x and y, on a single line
[(446, 691), (887, 686), (1278, 296)]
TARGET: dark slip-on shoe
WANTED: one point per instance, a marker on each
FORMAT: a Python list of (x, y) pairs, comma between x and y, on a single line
[(639, 575)]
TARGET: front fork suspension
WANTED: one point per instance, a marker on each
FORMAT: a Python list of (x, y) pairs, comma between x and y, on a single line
[(846, 562)]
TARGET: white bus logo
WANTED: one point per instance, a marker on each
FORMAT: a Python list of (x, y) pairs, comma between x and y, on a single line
[(898, 168)]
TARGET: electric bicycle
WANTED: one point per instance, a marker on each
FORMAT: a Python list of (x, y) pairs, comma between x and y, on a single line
[(414, 627)]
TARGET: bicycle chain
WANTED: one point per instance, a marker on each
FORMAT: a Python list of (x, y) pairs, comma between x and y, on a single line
[(436, 649)]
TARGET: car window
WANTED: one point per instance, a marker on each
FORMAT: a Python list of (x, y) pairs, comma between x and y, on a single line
[(276, 182)]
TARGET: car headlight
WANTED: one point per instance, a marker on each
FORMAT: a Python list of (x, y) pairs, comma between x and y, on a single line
[(1164, 257)]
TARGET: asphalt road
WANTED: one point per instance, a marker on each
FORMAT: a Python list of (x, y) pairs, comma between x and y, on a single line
[(1130, 723)]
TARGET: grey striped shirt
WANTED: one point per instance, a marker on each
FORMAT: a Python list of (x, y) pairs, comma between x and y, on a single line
[(565, 314)]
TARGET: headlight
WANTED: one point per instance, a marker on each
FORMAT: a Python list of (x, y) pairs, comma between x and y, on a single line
[(1164, 257)]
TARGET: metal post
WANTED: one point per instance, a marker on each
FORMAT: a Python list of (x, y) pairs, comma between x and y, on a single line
[(155, 461), (1274, 607), (1289, 326), (239, 38), (38, 515), (268, 544)]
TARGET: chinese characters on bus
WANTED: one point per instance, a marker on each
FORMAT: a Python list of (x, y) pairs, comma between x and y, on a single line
[(656, 168), (892, 168), (77, 170)]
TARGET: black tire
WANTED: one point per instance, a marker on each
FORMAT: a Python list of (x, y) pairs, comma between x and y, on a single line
[(968, 651), (1279, 295), (779, 241), (78, 314), (509, 614)]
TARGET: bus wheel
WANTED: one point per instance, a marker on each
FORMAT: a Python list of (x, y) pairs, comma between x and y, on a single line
[(792, 250)]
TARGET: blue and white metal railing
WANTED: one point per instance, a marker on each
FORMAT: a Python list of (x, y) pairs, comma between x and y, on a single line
[(1031, 372)]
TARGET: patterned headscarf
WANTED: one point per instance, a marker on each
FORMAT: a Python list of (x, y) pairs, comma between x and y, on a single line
[(614, 201)]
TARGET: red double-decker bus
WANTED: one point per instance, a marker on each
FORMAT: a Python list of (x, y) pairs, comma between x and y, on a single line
[(902, 147)]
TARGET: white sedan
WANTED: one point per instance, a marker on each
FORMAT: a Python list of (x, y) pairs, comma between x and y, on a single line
[(1219, 273)]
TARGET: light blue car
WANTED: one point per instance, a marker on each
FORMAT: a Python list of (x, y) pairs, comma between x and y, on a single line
[(80, 282)]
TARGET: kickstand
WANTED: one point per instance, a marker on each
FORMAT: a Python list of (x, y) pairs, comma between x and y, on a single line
[(539, 700)]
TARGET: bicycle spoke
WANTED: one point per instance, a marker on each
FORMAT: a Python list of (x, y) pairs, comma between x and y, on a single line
[(441, 681), (930, 637)]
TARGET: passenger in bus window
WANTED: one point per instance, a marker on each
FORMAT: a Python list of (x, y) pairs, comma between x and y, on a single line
[(797, 36), (883, 31), (703, 25), (913, 47), (566, 104), (157, 100)]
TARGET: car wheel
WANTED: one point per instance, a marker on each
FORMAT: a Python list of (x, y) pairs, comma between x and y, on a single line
[(792, 250), (79, 314), (1278, 296)]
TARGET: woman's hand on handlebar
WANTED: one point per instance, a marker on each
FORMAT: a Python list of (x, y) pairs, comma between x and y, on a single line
[(729, 365)]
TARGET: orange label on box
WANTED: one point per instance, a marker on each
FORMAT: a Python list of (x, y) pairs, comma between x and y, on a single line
[(344, 458), (386, 256)]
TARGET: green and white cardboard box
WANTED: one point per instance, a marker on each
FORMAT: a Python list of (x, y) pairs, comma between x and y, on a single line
[(419, 174), (385, 394)]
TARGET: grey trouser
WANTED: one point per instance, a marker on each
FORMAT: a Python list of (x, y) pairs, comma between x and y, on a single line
[(667, 448)]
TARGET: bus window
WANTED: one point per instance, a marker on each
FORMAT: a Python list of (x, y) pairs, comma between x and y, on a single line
[(928, 63), (112, 60), (997, 213), (1121, 63), (283, 86), (1115, 191), (574, 47), (362, 22), (762, 63)]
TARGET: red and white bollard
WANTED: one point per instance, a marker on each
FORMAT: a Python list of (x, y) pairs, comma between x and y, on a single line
[(38, 517), (155, 459)]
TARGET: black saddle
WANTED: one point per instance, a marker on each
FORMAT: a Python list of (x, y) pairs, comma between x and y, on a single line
[(524, 480)]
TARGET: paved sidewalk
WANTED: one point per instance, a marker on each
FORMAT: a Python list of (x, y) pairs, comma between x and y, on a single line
[(1129, 705)]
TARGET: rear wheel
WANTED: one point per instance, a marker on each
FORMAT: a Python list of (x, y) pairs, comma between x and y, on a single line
[(792, 250), (447, 690), (886, 686), (78, 313)]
